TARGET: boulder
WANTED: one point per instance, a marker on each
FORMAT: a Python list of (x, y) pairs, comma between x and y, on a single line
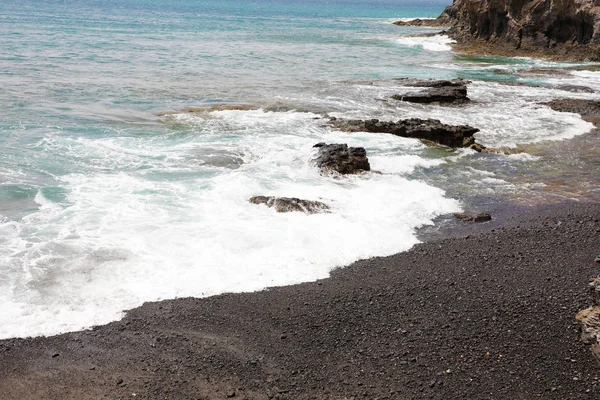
[(288, 204), (426, 129), (437, 91), (341, 159), (444, 94), (473, 216), (590, 320)]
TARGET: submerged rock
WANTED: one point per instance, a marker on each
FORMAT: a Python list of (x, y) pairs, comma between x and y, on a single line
[(288, 204), (473, 216), (427, 129), (212, 108), (575, 88), (341, 159), (588, 109), (590, 320)]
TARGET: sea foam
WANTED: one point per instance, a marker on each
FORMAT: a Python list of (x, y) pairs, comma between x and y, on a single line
[(155, 228)]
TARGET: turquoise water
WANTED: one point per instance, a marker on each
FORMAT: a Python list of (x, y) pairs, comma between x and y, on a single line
[(112, 195)]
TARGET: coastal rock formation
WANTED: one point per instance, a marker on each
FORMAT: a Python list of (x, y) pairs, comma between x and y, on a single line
[(446, 19), (473, 216), (341, 159), (568, 29), (588, 109), (450, 94), (288, 204), (427, 129), (590, 320), (438, 91)]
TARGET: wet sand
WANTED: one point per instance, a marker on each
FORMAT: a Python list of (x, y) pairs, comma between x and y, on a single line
[(480, 312)]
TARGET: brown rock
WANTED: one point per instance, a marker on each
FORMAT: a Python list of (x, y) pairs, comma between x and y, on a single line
[(472, 216), (590, 320)]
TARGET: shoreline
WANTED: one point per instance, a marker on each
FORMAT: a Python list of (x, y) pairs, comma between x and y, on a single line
[(487, 311)]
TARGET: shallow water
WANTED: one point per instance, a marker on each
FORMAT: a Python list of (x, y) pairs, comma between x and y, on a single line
[(111, 195)]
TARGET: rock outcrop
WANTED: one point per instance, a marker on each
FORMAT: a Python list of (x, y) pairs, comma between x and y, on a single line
[(588, 109), (566, 29), (341, 159), (289, 204), (590, 320), (434, 91), (442, 95), (427, 129)]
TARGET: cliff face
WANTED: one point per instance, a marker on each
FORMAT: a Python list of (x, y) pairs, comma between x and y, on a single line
[(564, 28)]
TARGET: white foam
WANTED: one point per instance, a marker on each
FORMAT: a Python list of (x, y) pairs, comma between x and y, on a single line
[(430, 43), (506, 115), (128, 237)]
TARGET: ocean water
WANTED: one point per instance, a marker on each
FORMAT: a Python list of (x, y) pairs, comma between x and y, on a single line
[(111, 194)]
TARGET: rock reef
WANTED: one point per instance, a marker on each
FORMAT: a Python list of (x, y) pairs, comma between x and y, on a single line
[(426, 129)]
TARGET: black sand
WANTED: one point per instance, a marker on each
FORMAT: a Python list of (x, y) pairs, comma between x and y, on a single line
[(488, 316)]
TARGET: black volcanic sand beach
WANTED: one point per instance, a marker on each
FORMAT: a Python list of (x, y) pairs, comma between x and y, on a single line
[(486, 314)]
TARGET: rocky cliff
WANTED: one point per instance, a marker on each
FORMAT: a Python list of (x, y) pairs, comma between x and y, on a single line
[(567, 29)]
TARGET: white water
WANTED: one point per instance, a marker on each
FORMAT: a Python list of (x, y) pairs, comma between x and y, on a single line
[(430, 43), (127, 237)]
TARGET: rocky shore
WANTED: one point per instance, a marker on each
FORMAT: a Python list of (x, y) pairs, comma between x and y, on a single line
[(486, 312), (563, 30)]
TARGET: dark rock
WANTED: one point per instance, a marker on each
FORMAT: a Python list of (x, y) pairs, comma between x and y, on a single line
[(427, 129), (55, 355), (341, 159), (451, 94), (432, 83), (444, 20), (568, 29), (439, 91), (472, 216), (588, 109), (288, 204)]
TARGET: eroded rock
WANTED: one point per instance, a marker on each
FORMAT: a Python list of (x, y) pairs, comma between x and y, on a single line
[(290, 204), (426, 129), (438, 91), (568, 29), (590, 320), (341, 159)]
